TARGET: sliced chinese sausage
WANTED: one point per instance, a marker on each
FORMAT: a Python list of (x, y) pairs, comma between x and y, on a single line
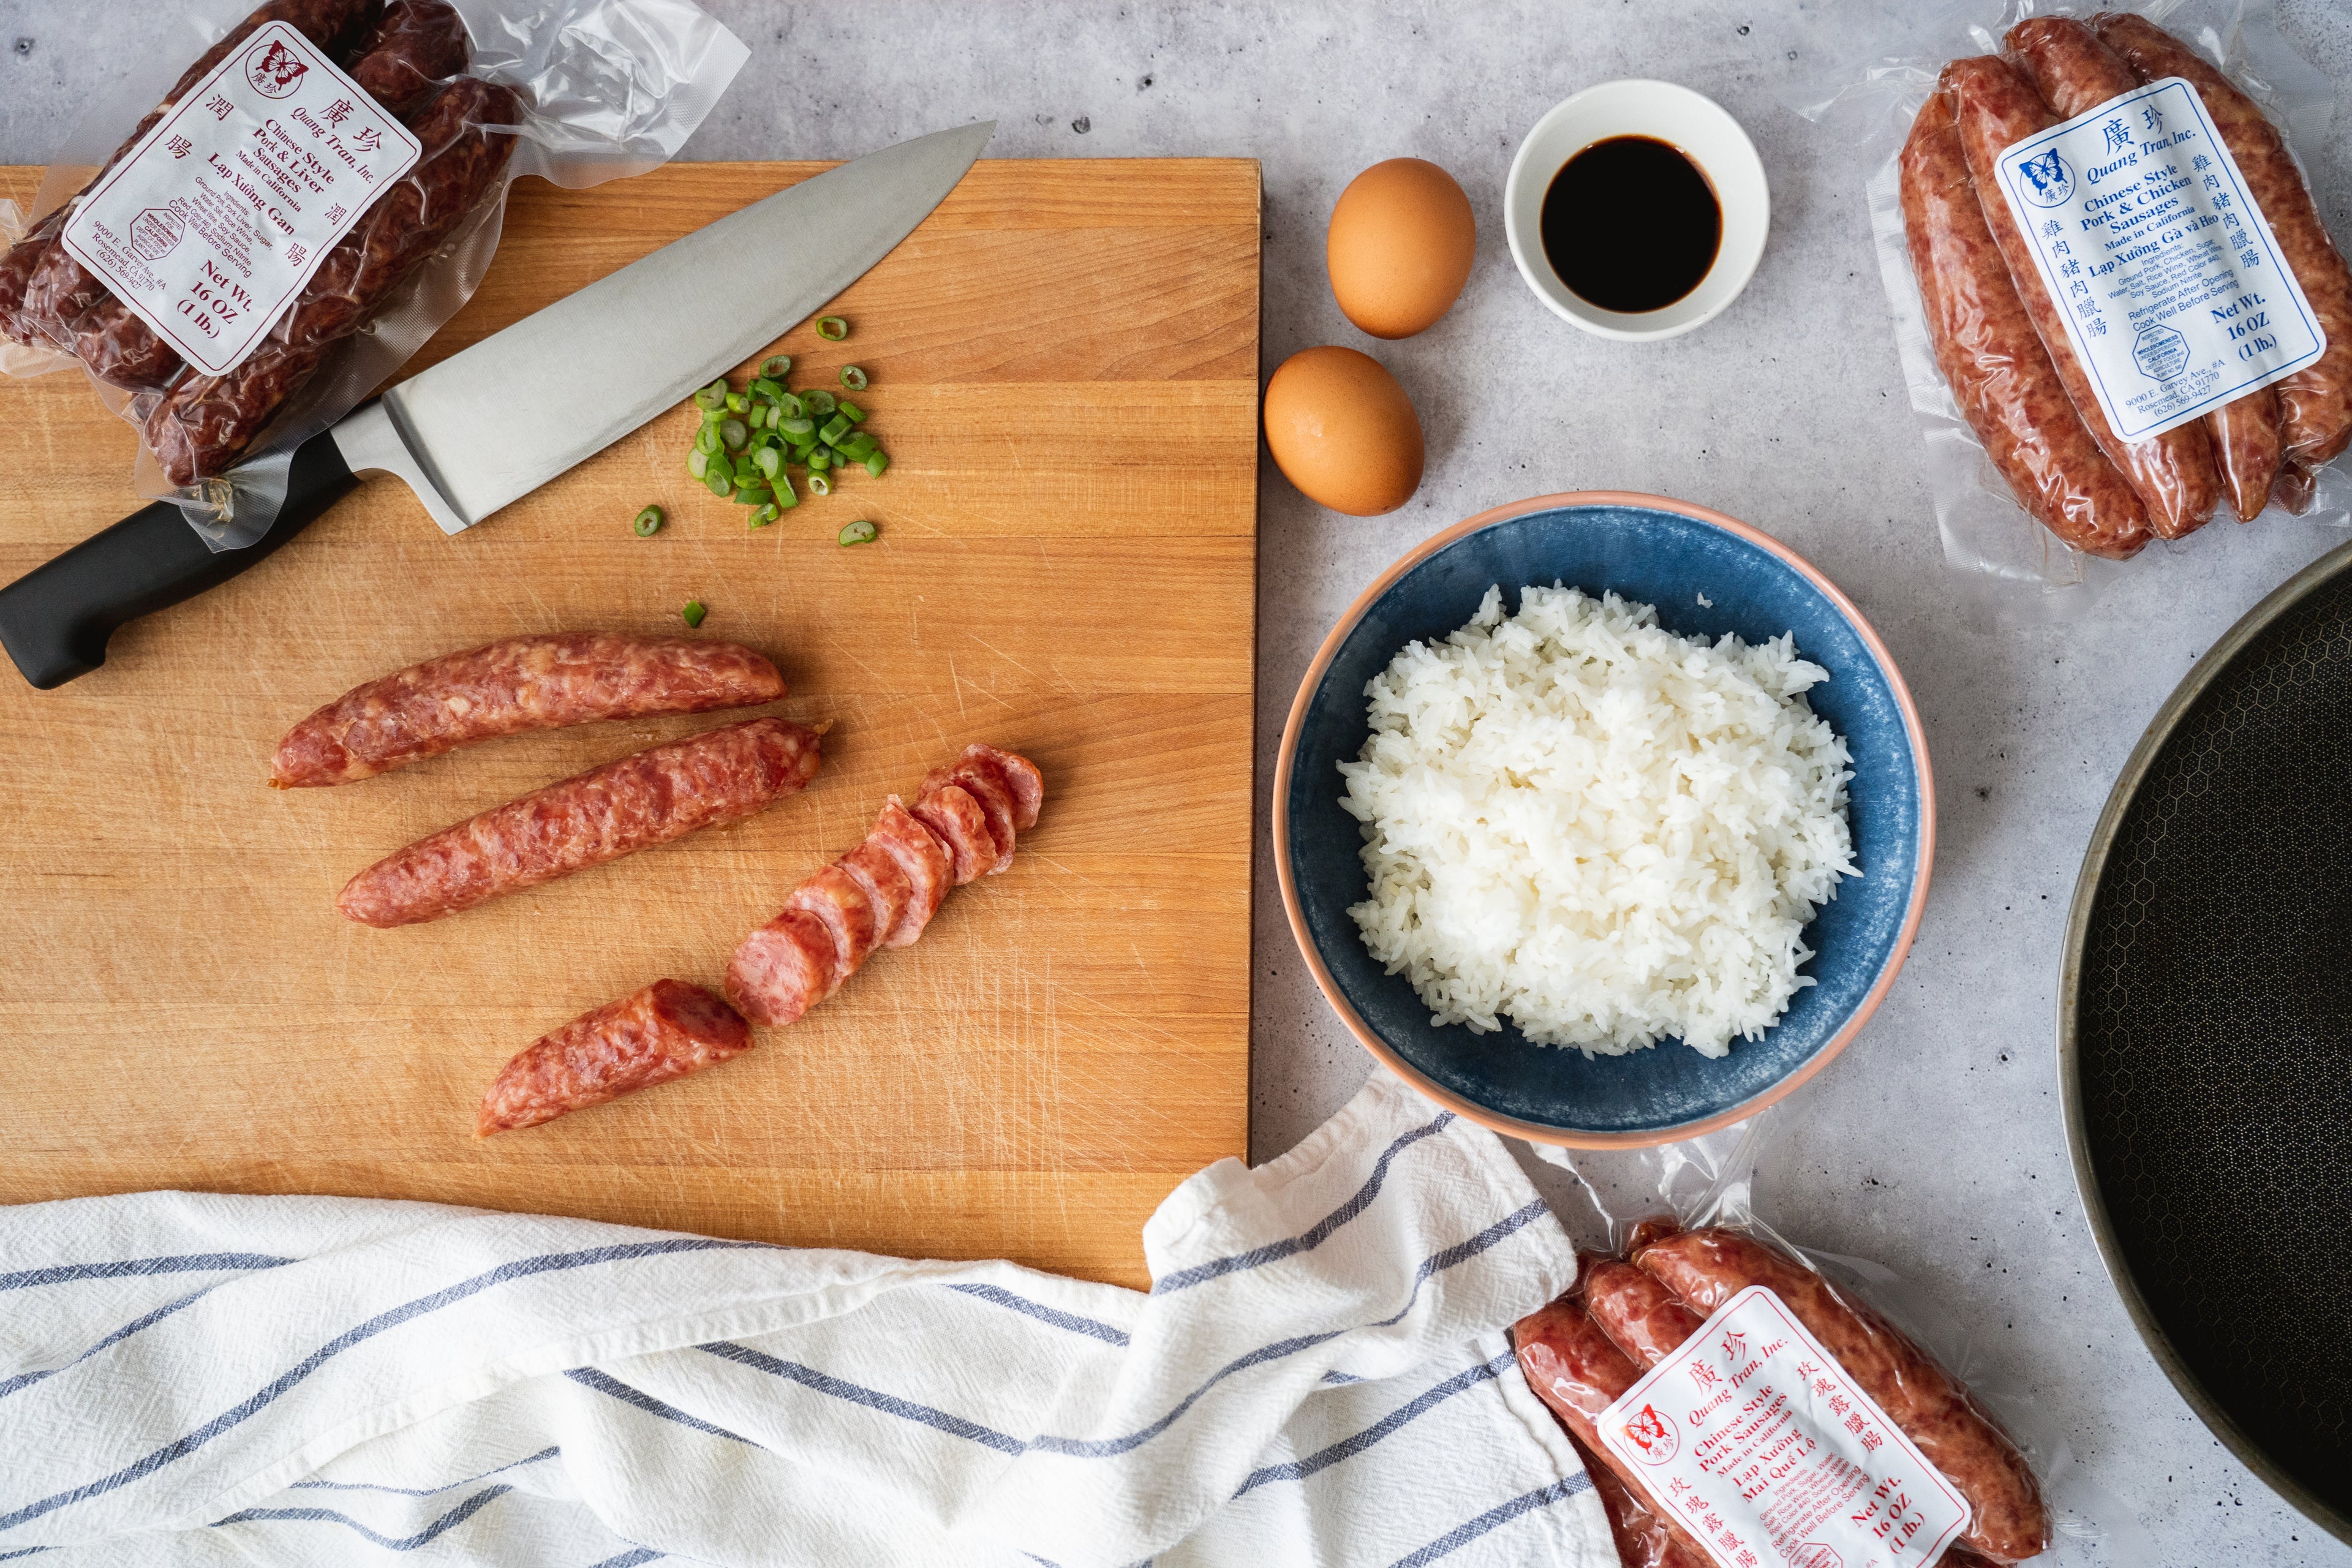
[(2007, 1519), (783, 969), (961, 825), (985, 785), (884, 883), (664, 1031), (921, 858), (839, 901), (1020, 776)]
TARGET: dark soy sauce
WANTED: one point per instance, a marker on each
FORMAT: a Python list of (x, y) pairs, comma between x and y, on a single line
[(1631, 224)]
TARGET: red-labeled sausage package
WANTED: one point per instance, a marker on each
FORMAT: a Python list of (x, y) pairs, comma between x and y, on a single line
[(2120, 310), (1738, 1399), (278, 203)]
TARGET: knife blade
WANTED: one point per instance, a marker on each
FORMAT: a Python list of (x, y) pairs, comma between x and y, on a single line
[(503, 417)]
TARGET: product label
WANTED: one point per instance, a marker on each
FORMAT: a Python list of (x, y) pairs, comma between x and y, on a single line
[(212, 227), (1758, 1443), (2172, 289)]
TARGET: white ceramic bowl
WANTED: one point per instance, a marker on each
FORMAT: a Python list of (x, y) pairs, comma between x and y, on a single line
[(1691, 123)]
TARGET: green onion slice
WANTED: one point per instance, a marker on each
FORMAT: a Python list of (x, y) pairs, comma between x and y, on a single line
[(754, 495), (785, 500), (767, 459), (712, 397), (720, 485), (858, 532), (831, 329), (875, 463), (735, 434), (693, 613), (697, 463), (797, 428), (819, 403), (648, 523), (819, 459), (856, 448), (790, 406), (761, 387), (776, 366), (833, 429), (737, 403), (765, 515), (857, 414), (707, 438), (819, 485), (853, 378)]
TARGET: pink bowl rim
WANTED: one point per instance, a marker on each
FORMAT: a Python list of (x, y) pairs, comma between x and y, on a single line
[(1534, 1131)]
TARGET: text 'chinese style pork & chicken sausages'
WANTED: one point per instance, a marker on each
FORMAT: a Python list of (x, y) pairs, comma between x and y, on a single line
[(1996, 109), (884, 892), (719, 776), (2001, 376), (2075, 73), (664, 1031), (2317, 399)]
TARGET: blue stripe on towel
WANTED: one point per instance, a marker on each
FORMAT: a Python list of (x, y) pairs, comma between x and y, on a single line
[(1107, 1448), (1348, 1447), (605, 1383), (447, 1522), (1038, 1310), (1463, 1534), (889, 1404), (9, 1386), (543, 1454), (133, 1267), (1314, 1235), (180, 1447), (630, 1559)]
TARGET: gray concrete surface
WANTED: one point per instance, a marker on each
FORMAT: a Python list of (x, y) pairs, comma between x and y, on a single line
[(1935, 1144)]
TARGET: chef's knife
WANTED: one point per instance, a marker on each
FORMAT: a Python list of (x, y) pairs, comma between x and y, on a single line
[(499, 420)]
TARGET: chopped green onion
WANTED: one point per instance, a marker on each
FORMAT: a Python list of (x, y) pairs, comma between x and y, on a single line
[(776, 365), (693, 613), (648, 523), (785, 499), (853, 378), (738, 402), (833, 429), (798, 427), (721, 466), (857, 447), (754, 495), (819, 485), (831, 329), (697, 463), (765, 515), (707, 438), (857, 414), (713, 396), (767, 459), (735, 434), (790, 406), (858, 532), (819, 459), (720, 485), (818, 403), (875, 463), (762, 387)]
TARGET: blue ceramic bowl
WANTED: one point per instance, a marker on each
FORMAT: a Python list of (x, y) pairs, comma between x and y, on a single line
[(1656, 552)]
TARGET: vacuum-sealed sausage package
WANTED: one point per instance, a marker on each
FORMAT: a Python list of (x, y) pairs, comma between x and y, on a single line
[(275, 207), (2120, 310), (1742, 1403)]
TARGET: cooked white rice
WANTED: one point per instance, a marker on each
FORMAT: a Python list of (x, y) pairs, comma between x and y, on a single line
[(1604, 833)]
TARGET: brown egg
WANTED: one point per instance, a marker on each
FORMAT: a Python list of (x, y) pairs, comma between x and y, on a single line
[(1343, 431), (1400, 247)]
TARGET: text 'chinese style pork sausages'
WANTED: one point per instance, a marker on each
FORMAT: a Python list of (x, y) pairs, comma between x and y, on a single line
[(884, 892), (412, 47), (506, 688), (2075, 72), (1996, 109), (664, 1031), (1578, 1373), (206, 422), (2007, 1519), (2317, 399), (2000, 374), (43, 290), (719, 776)]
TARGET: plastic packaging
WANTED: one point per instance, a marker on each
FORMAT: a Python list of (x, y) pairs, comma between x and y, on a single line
[(1876, 69), (1684, 1244), (574, 91)]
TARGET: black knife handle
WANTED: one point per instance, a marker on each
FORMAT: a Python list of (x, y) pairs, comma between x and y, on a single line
[(56, 618)]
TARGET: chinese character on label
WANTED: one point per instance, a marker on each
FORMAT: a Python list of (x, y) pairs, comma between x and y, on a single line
[(212, 226), (2207, 315)]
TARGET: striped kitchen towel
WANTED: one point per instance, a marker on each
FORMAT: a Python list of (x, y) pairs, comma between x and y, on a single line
[(1319, 1375)]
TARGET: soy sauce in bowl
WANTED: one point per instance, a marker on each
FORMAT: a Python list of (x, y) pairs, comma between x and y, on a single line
[(1631, 224)]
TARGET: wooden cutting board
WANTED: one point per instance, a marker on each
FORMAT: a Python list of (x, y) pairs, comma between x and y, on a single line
[(1064, 360)]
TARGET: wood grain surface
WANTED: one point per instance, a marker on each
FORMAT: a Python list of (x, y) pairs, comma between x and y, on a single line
[(1064, 372)]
